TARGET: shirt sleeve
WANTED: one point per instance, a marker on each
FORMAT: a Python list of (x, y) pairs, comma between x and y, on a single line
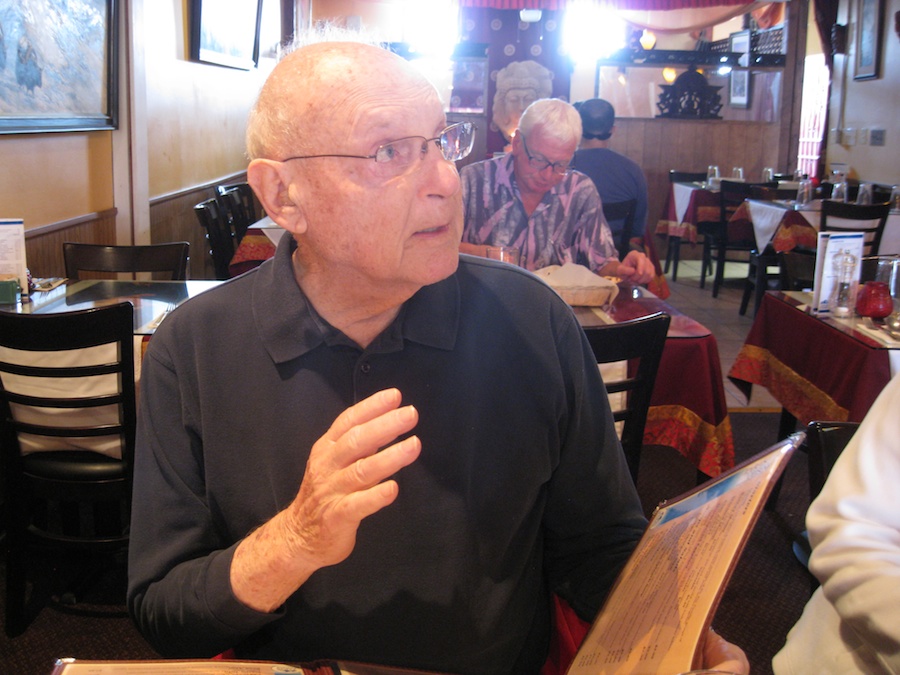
[(854, 526), (179, 588)]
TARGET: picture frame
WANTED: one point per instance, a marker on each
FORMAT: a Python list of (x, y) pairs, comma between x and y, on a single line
[(869, 21), (225, 32), (740, 43), (740, 89), (61, 70)]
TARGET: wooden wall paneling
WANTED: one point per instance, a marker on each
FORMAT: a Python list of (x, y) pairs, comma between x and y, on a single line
[(43, 245)]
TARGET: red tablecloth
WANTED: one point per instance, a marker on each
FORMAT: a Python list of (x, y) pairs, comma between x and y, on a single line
[(816, 368), (793, 230), (703, 205), (688, 409)]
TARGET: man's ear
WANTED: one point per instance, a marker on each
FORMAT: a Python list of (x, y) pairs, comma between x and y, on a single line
[(271, 183)]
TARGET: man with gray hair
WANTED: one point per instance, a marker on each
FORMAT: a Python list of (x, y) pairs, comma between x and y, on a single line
[(530, 199)]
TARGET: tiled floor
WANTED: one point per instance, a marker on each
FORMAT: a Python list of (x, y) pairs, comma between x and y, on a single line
[(721, 316)]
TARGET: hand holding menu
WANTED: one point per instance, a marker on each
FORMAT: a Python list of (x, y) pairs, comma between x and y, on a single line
[(656, 617)]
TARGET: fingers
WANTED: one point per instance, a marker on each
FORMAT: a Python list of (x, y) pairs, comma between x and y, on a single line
[(720, 654), (363, 429)]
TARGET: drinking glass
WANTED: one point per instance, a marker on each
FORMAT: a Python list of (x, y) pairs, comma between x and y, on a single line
[(864, 196), (839, 192), (768, 174), (804, 192), (895, 198), (508, 254), (737, 173)]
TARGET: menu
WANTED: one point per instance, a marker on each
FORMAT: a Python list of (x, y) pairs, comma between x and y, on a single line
[(659, 611), (830, 245), (12, 252)]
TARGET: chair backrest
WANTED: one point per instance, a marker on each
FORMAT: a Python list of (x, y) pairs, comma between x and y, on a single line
[(641, 340), (624, 212), (239, 204), (733, 193), (773, 193), (218, 234), (797, 269), (870, 219), (248, 199), (171, 258), (686, 176), (67, 403), (825, 441)]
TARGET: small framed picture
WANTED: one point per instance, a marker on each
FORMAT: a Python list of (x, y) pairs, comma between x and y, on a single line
[(740, 88), (739, 43), (868, 41)]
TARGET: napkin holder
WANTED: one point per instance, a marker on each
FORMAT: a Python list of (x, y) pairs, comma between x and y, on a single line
[(578, 286)]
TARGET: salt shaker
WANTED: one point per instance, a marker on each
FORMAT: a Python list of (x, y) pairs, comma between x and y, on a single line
[(846, 281)]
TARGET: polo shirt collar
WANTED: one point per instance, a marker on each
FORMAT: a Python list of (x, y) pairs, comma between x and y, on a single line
[(289, 326)]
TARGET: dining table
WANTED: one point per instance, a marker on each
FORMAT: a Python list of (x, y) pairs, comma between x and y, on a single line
[(783, 225), (686, 205), (819, 368), (152, 300)]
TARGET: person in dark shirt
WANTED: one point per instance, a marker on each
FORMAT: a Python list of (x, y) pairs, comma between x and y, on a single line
[(616, 177), (371, 448)]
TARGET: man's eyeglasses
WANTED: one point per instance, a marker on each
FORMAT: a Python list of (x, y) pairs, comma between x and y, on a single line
[(539, 163), (455, 142)]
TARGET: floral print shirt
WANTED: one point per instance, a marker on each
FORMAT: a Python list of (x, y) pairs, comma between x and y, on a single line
[(567, 226)]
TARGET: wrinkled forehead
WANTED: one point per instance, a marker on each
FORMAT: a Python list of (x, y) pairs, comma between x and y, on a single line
[(353, 88)]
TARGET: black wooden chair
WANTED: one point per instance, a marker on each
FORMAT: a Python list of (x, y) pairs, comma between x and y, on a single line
[(624, 212), (170, 258), (719, 246), (239, 204), (825, 441), (760, 276), (67, 426), (640, 340), (796, 269), (869, 219), (218, 233), (673, 247)]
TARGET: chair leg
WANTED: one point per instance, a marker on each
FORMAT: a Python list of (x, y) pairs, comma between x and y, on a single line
[(720, 271), (751, 281), (673, 253), (706, 260), (15, 590)]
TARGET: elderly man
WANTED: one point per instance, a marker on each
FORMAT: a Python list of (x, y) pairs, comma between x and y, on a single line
[(339, 455), (531, 200)]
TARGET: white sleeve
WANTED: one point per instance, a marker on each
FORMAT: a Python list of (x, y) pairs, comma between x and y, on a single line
[(854, 527)]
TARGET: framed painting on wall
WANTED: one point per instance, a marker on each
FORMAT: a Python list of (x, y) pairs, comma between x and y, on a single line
[(868, 39), (226, 32), (739, 43), (740, 89), (58, 66)]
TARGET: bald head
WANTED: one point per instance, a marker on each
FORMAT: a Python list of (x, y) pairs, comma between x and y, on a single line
[(317, 89)]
